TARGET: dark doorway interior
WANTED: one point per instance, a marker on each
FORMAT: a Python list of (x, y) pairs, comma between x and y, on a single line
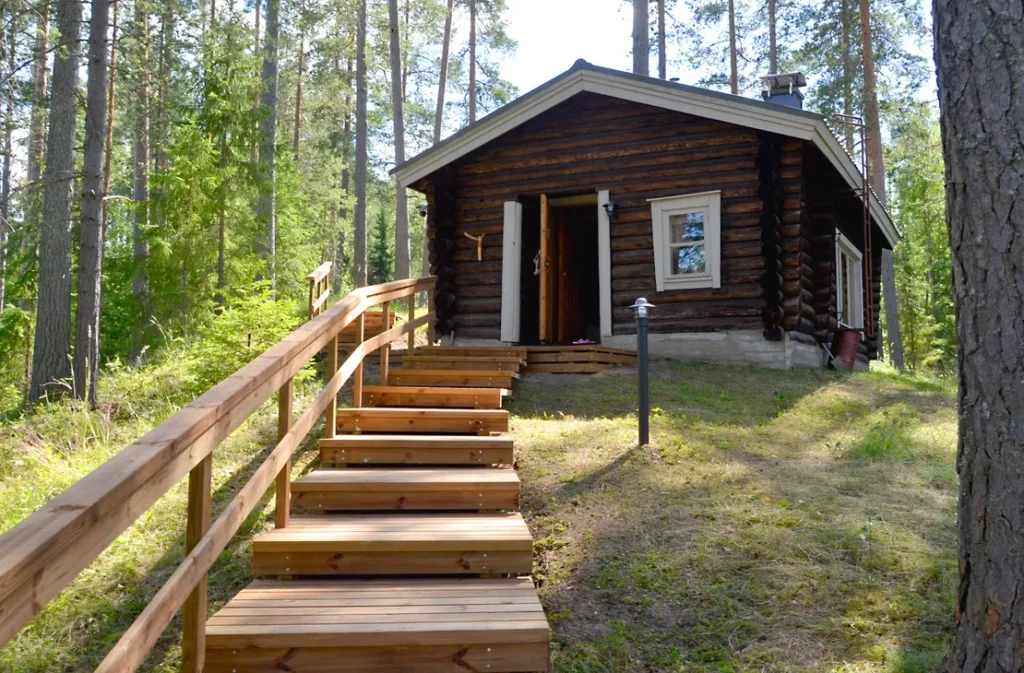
[(573, 303)]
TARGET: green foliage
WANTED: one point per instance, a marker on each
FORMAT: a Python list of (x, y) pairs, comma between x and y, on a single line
[(381, 255)]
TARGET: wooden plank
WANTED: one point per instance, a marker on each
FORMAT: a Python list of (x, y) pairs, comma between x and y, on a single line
[(474, 656), (426, 396), (411, 302), (460, 378), (320, 273), (357, 380), (570, 367), (500, 351), (407, 489), (389, 450), (331, 415), (404, 420), (282, 506), (197, 523), (385, 350)]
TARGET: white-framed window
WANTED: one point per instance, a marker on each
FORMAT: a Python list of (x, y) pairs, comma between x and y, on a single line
[(849, 283), (687, 241)]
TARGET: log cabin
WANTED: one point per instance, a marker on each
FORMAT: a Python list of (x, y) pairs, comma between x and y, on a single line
[(745, 222)]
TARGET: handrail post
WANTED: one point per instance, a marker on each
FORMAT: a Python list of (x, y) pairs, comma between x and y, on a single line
[(282, 505), (412, 316), (357, 382), (430, 312), (193, 637), (313, 287), (385, 350), (331, 415)]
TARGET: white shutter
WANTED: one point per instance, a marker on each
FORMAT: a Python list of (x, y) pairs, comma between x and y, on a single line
[(511, 261)]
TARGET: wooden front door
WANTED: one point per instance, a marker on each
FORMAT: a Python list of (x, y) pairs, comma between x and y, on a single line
[(548, 264)]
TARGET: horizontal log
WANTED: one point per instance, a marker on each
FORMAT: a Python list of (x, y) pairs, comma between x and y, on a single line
[(477, 320), (627, 296), (697, 310)]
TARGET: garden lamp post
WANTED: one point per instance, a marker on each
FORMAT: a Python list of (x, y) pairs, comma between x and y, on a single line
[(643, 310)]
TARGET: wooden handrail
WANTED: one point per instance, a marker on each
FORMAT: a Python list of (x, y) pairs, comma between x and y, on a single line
[(319, 273), (319, 289), (46, 551)]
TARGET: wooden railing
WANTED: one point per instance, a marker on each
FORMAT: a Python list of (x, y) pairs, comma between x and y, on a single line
[(319, 289), (46, 551)]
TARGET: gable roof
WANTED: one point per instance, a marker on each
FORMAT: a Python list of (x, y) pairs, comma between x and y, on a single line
[(585, 77)]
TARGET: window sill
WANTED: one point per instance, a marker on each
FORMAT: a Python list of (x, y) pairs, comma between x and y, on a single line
[(701, 283)]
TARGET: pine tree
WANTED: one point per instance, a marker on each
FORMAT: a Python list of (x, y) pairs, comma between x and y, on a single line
[(641, 38), (402, 257), (359, 256), (140, 179), (266, 208), (51, 354), (381, 257), (90, 257)]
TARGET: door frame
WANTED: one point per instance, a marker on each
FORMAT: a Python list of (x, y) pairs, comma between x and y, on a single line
[(511, 280)]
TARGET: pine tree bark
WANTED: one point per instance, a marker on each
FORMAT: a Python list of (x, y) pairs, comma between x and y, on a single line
[(443, 75), (662, 54), (876, 171), (734, 74), (402, 259), (773, 44), (340, 253), (140, 182), (254, 149), (472, 61), (359, 262), (266, 205), (111, 110), (641, 38), (51, 363), (85, 364), (10, 51), (979, 55), (849, 71), (37, 127), (301, 70)]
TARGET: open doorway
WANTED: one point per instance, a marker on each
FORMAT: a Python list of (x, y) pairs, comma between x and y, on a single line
[(559, 291)]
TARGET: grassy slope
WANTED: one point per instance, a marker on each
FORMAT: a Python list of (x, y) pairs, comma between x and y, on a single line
[(780, 521)]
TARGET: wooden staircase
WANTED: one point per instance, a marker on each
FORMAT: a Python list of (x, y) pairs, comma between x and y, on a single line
[(404, 552)]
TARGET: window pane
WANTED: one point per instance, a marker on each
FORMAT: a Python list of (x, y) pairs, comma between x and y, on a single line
[(687, 227), (691, 259)]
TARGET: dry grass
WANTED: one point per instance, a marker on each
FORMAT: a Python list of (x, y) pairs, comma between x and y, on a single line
[(779, 521)]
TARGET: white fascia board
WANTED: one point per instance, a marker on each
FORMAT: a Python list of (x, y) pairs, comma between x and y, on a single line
[(501, 123)]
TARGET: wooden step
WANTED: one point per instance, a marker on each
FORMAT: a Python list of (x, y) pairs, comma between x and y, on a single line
[(570, 367), (429, 396), (380, 626), (485, 351), (415, 450), (396, 544), (406, 420), (471, 362), (452, 378), (424, 488)]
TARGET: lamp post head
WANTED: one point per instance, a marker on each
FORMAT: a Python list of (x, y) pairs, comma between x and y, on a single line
[(611, 209), (642, 307)]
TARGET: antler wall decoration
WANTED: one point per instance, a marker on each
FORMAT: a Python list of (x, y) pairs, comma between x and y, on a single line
[(479, 245)]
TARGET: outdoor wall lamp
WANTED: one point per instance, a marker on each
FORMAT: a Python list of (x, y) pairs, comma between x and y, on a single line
[(423, 208), (611, 209)]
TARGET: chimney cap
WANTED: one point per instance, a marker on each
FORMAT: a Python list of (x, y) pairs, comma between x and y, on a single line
[(784, 82)]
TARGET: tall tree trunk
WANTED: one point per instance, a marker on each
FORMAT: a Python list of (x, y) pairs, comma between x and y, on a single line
[(397, 107), (849, 70), (359, 262), (266, 206), (298, 79), (734, 74), (163, 114), (876, 170), (140, 182), (662, 54), (443, 80), (340, 266), (111, 110), (37, 128), (51, 354), (10, 49), (222, 224), (773, 44), (979, 54), (641, 38), (90, 258), (472, 61), (254, 150)]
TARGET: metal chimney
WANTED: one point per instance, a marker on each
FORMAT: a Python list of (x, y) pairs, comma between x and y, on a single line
[(785, 89)]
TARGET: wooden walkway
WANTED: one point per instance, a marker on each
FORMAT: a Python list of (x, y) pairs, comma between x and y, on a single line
[(404, 551)]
